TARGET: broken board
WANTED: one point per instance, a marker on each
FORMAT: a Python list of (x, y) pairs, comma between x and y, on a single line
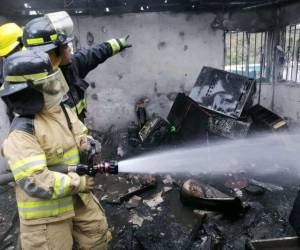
[(285, 243)]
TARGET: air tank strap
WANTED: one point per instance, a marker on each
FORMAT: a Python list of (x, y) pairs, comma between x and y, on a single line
[(67, 117)]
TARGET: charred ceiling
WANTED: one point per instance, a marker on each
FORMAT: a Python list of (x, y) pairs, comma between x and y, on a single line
[(112, 7)]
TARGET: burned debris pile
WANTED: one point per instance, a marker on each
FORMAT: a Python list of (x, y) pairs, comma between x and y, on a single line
[(221, 105)]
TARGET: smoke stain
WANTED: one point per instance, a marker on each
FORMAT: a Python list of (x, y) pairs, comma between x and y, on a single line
[(94, 97), (161, 45)]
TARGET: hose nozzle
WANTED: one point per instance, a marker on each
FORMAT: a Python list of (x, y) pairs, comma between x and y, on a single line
[(110, 167)]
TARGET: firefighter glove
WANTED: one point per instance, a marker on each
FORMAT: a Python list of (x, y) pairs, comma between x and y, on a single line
[(80, 184), (123, 42), (87, 184)]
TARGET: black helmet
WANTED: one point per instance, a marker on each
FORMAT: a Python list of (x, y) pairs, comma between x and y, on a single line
[(48, 32), (21, 71), (22, 68)]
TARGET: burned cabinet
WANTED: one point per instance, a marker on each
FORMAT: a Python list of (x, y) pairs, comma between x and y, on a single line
[(188, 119), (195, 122), (223, 92), (154, 132), (228, 127), (264, 119)]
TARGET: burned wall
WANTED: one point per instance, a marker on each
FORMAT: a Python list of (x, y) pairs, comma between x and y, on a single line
[(168, 53), (258, 18)]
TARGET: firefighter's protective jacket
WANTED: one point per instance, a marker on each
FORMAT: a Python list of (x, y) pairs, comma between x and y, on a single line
[(85, 60), (33, 145)]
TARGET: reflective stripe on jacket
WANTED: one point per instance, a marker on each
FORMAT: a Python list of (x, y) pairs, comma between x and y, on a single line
[(44, 195)]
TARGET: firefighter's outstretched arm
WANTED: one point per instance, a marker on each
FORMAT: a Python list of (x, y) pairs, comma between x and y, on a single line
[(86, 60)]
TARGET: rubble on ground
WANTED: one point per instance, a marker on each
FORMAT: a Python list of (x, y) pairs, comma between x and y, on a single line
[(133, 202), (154, 201), (168, 224), (176, 226)]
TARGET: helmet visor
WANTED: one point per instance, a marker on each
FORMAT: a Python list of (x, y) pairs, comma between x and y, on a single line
[(53, 84), (62, 22)]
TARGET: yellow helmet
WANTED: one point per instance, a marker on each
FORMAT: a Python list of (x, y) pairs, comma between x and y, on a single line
[(10, 34)]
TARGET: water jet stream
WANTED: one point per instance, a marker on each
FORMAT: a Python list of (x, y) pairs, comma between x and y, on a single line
[(261, 155)]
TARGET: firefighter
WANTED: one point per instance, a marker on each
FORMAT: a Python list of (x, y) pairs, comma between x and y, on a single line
[(10, 39), (54, 208), (10, 42), (52, 33)]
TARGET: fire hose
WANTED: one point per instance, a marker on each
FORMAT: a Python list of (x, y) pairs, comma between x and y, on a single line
[(110, 167)]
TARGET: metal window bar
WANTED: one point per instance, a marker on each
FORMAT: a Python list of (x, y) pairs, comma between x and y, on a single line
[(243, 46), (293, 54), (236, 51), (288, 51), (283, 39), (254, 56), (261, 66), (260, 51), (229, 50), (290, 45), (264, 55), (297, 56), (248, 53), (225, 50), (269, 54), (245, 52)]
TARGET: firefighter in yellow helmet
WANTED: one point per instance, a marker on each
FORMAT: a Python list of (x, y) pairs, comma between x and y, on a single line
[(10, 39), (54, 208), (52, 33), (10, 42)]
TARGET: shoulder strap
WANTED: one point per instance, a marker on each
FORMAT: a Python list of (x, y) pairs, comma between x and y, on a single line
[(23, 123), (67, 117)]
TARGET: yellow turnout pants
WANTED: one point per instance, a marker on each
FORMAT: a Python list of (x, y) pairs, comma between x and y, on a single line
[(88, 229)]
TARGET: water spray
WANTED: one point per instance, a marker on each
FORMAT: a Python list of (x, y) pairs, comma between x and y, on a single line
[(262, 155)]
